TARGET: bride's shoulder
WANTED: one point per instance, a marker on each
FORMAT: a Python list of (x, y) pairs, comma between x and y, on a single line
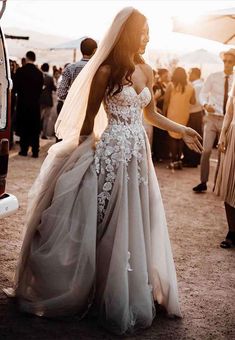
[(148, 71), (147, 68), (104, 70), (102, 75)]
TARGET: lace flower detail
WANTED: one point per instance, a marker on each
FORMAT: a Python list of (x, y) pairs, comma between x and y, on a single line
[(128, 262), (123, 139), (107, 186)]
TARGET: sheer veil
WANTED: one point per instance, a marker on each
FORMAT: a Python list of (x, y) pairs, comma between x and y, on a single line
[(70, 120), (68, 126)]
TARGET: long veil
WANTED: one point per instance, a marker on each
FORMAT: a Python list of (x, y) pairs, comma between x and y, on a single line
[(67, 127)]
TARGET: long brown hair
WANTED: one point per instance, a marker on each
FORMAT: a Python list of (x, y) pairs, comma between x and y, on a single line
[(120, 59), (179, 77)]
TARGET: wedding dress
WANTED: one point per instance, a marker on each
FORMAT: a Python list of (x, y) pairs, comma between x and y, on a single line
[(102, 240)]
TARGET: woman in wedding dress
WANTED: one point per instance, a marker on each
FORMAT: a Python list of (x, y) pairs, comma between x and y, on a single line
[(96, 233)]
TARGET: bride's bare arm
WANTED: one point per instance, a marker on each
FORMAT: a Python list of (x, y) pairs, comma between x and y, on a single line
[(97, 91), (151, 114), (190, 136)]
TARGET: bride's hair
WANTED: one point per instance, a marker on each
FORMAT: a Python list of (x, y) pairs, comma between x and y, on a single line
[(120, 58)]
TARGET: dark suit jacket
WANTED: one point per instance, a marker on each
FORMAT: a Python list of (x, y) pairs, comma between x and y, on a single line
[(28, 86), (48, 87)]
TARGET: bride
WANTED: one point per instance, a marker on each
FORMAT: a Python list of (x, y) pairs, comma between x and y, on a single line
[(96, 231)]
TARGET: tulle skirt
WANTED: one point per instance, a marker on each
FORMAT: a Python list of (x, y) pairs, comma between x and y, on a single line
[(119, 265), (225, 182)]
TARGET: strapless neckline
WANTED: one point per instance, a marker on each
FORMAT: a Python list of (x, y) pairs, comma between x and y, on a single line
[(138, 94)]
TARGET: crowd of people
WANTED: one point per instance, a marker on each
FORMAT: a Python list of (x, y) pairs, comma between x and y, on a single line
[(115, 258), (38, 96), (55, 86), (33, 102), (177, 94)]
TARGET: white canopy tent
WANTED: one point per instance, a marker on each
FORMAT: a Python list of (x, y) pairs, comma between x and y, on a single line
[(207, 62), (70, 45), (218, 25), (201, 57)]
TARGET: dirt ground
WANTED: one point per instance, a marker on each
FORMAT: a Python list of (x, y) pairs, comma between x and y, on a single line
[(205, 272)]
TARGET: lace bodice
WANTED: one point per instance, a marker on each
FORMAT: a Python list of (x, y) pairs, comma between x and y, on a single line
[(123, 139), (126, 106)]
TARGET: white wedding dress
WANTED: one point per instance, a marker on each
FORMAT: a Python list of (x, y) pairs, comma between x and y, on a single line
[(103, 240)]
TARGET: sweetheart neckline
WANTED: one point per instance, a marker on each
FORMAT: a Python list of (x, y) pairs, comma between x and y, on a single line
[(138, 94)]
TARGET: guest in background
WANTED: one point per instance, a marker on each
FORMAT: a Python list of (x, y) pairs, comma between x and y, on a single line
[(213, 98), (178, 97), (13, 68), (46, 99), (191, 158), (57, 77), (23, 61), (159, 87), (160, 144), (88, 48), (54, 115), (28, 85)]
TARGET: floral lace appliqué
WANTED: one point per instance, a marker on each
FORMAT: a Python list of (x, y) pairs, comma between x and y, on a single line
[(123, 139)]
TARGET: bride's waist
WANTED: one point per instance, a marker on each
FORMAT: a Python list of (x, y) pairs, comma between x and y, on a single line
[(125, 124), (122, 130)]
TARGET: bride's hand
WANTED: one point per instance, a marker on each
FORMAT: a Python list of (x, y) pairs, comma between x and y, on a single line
[(222, 145), (192, 139)]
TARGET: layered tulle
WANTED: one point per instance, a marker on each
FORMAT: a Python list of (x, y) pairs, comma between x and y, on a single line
[(120, 266), (225, 182)]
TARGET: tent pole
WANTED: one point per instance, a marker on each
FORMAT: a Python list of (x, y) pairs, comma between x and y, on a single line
[(74, 54)]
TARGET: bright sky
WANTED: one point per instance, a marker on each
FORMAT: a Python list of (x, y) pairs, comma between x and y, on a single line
[(76, 18)]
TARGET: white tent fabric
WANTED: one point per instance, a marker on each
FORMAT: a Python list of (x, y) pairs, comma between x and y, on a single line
[(207, 62), (70, 45), (200, 56), (219, 26)]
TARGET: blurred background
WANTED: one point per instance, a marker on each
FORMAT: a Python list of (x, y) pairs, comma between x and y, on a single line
[(54, 30)]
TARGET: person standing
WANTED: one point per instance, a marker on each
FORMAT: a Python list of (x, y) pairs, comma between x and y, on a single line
[(115, 256), (213, 98), (191, 158), (225, 181), (13, 101), (160, 147), (46, 99), (28, 86), (88, 48), (178, 97)]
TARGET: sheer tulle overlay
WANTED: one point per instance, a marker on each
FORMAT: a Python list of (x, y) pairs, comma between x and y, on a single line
[(102, 237), (225, 181)]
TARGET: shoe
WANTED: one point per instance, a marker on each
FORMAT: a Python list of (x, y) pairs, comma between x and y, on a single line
[(175, 165), (189, 165), (226, 244), (178, 165), (229, 241), (21, 153), (35, 155), (170, 166), (200, 187)]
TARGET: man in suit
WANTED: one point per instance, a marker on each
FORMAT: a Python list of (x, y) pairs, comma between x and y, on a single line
[(28, 85), (46, 99)]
